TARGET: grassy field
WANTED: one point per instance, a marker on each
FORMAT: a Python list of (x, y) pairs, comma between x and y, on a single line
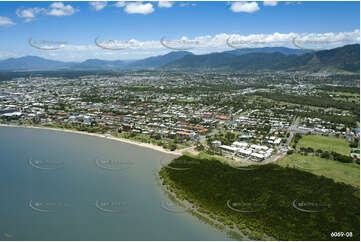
[(325, 143), (289, 105), (345, 94), (348, 173), (346, 97)]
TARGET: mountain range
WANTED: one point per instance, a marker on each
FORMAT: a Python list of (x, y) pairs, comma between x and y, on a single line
[(346, 58)]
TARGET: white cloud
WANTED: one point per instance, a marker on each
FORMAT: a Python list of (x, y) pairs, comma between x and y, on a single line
[(59, 9), (29, 14), (165, 4), (306, 40), (219, 41), (97, 6), (55, 9), (4, 21), (57, 5), (80, 47), (120, 4), (270, 3), (139, 8), (203, 45), (28, 20), (247, 7)]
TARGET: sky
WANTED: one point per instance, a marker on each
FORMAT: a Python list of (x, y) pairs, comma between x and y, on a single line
[(76, 31)]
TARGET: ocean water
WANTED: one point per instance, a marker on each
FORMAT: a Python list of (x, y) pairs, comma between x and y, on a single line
[(63, 186)]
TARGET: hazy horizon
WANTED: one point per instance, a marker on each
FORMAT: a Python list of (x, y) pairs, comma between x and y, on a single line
[(77, 31)]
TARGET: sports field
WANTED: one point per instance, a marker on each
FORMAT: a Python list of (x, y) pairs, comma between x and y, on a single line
[(325, 143), (348, 173)]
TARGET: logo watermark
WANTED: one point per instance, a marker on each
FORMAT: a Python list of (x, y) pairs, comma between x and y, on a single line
[(243, 44), (309, 207), (317, 44), (181, 44), (113, 44), (302, 44), (46, 164), (245, 207), (46, 44), (46, 207), (111, 206), (113, 165), (172, 207)]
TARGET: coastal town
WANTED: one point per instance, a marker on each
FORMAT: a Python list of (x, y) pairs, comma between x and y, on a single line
[(180, 120), (245, 118)]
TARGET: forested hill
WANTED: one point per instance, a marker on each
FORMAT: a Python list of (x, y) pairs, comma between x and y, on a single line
[(346, 58), (342, 59)]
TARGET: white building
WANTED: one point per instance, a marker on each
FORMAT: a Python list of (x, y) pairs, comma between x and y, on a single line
[(240, 144), (216, 143)]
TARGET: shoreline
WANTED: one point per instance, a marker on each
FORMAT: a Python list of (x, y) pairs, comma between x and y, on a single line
[(189, 207), (105, 136), (193, 210)]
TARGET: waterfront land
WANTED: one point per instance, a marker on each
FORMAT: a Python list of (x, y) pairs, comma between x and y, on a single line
[(105, 136), (287, 207), (261, 138)]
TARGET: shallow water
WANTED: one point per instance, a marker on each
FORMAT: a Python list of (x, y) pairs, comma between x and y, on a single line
[(63, 186)]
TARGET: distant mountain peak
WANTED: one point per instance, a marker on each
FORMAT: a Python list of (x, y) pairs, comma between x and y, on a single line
[(282, 50), (346, 58)]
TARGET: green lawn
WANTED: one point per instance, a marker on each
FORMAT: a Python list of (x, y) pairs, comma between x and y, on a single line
[(348, 173), (325, 143), (349, 99), (345, 94), (346, 97)]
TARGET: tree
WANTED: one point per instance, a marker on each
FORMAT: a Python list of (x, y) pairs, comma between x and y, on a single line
[(230, 136), (325, 155), (199, 147), (172, 146)]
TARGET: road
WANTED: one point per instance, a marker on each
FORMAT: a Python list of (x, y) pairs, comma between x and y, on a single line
[(292, 130), (282, 150), (271, 159)]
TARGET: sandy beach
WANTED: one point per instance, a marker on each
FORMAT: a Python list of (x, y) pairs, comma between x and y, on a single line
[(105, 136)]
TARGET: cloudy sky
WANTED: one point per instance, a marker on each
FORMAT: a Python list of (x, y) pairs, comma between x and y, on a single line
[(76, 31)]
